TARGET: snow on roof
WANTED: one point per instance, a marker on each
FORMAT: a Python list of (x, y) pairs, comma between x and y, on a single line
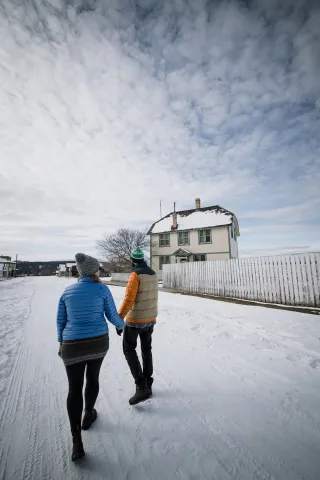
[(194, 219)]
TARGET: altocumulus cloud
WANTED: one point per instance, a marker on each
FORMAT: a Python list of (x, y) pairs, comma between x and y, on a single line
[(109, 106)]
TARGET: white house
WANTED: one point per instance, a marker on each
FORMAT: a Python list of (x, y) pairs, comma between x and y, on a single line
[(71, 269), (7, 267), (196, 235), (61, 271), (68, 269)]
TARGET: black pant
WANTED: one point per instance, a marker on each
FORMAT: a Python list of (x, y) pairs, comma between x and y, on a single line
[(75, 399), (130, 336)]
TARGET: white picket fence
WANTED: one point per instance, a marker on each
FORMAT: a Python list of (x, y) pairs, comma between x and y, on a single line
[(284, 279)]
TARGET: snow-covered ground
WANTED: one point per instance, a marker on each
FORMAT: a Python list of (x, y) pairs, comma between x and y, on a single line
[(236, 394), (15, 304)]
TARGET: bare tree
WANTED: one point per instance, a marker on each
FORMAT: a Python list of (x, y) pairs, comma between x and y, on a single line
[(117, 247)]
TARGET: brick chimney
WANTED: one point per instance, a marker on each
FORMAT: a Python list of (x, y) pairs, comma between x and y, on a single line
[(174, 218), (198, 203), (174, 221)]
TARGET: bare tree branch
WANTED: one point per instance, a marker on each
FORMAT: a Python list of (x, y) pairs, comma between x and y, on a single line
[(116, 248)]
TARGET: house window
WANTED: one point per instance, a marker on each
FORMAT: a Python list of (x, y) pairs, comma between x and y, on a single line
[(204, 236), (164, 260), (200, 258), (183, 238), (232, 231), (164, 240)]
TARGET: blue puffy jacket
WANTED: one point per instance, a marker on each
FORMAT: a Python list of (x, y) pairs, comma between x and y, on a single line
[(82, 310)]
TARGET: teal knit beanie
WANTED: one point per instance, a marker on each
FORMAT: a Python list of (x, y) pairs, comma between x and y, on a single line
[(137, 255)]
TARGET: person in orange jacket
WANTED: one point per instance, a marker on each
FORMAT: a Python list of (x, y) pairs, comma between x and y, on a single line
[(140, 310)]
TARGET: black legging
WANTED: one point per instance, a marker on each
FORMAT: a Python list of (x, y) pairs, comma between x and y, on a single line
[(75, 399)]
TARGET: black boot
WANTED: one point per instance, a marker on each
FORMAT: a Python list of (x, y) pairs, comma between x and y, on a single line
[(149, 385), (89, 417), (77, 449), (142, 394)]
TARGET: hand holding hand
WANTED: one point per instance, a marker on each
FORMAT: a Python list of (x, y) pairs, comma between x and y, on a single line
[(119, 331)]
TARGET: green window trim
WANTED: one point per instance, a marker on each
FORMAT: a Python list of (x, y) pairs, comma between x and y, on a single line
[(186, 234), (205, 232), (165, 237), (164, 260), (200, 259)]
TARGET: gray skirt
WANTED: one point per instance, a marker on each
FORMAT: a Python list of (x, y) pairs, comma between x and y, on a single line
[(83, 350)]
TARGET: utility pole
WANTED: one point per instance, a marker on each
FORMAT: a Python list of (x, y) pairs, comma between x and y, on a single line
[(16, 265), (160, 209)]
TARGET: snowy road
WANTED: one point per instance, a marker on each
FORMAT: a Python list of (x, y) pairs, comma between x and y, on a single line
[(236, 394)]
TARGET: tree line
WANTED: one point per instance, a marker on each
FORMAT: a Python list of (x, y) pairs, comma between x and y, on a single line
[(114, 250)]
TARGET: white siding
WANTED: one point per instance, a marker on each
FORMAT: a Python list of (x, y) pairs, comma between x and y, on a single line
[(218, 249), (211, 257)]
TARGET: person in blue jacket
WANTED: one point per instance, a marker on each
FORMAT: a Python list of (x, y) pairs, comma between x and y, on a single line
[(84, 342)]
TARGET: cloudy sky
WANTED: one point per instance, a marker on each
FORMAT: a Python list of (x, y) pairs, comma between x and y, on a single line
[(108, 106)]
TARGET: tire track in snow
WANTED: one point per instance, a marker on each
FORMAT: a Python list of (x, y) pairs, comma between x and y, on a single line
[(16, 368), (57, 464), (31, 416), (13, 391), (23, 395), (124, 447), (30, 459), (57, 433)]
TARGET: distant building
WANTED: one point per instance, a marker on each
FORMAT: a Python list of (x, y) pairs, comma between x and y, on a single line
[(105, 269), (7, 267), (68, 269), (196, 235), (61, 270), (71, 270)]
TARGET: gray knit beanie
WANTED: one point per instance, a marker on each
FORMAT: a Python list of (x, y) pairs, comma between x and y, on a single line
[(86, 265)]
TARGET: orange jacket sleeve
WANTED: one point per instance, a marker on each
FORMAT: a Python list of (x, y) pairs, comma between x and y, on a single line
[(130, 296)]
